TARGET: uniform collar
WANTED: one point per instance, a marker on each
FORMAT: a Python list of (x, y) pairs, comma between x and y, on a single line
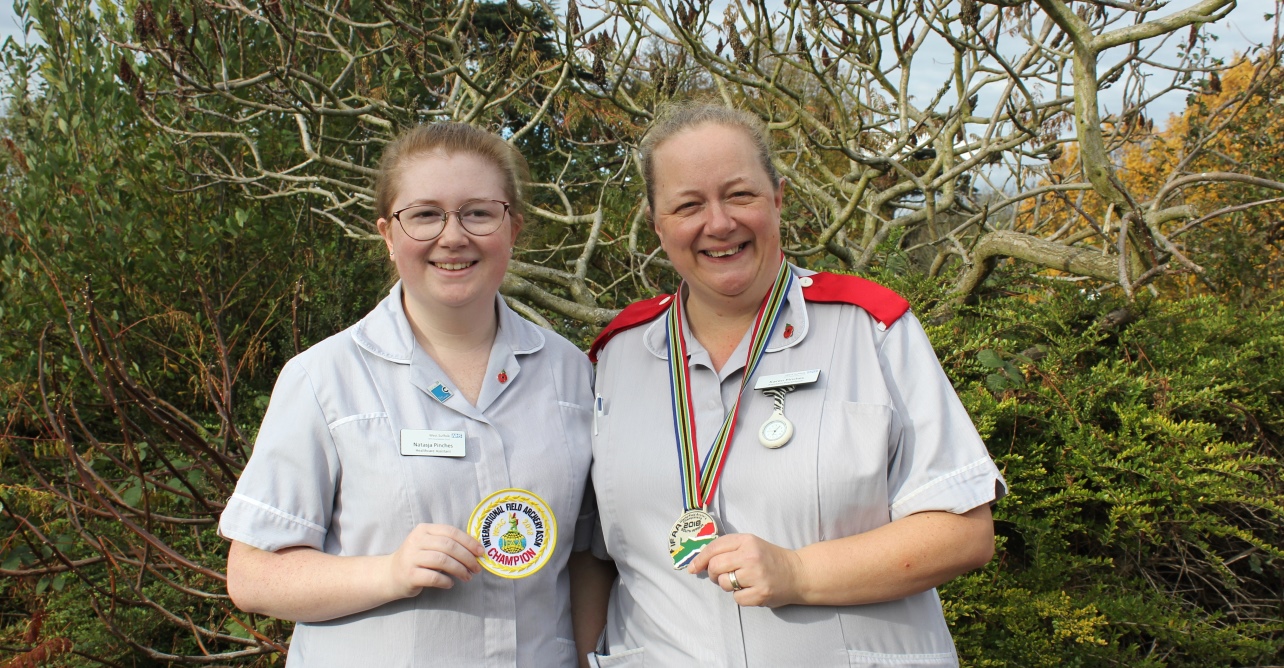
[(793, 321), (385, 331)]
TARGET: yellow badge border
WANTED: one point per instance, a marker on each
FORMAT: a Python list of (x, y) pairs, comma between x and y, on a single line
[(550, 531)]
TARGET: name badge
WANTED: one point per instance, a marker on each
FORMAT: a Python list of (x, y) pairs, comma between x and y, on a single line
[(791, 378), (432, 443)]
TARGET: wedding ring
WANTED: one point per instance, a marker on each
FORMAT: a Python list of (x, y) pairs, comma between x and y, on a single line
[(735, 583)]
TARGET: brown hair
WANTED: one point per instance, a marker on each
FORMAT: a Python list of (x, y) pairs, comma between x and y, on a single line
[(450, 139), (677, 117)]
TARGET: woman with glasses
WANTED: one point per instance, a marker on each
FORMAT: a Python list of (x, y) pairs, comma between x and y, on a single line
[(439, 435)]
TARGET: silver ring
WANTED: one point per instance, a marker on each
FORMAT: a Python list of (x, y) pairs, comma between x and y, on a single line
[(735, 583)]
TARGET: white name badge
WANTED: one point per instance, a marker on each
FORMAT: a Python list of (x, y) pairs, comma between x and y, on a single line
[(791, 378), (432, 443)]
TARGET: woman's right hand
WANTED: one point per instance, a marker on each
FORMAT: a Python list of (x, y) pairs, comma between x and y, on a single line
[(432, 556)]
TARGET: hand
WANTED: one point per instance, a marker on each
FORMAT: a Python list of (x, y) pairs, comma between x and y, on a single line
[(769, 575), (431, 556)]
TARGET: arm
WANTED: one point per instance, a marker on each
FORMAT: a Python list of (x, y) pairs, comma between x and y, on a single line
[(303, 584), (591, 580), (908, 556)]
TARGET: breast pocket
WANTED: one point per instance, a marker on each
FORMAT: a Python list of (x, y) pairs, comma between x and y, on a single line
[(383, 494), (852, 466)]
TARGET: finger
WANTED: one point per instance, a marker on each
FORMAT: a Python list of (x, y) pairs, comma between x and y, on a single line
[(456, 534), (443, 563), (456, 552), (719, 545), (423, 577), (726, 562), (724, 581), (445, 542)]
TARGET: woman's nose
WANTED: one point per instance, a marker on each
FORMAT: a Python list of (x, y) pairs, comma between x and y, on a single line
[(720, 222), (452, 235)]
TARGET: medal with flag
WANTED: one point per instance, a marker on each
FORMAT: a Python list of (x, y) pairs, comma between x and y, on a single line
[(696, 528)]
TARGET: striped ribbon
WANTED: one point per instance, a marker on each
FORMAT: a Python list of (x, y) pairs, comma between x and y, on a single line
[(700, 479)]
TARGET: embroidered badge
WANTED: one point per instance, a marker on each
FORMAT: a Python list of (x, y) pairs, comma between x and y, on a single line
[(440, 392), (517, 531), (789, 330)]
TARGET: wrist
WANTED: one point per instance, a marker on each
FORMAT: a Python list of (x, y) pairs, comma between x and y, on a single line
[(802, 576)]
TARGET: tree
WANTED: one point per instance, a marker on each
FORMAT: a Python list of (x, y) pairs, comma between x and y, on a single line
[(141, 327), (874, 165)]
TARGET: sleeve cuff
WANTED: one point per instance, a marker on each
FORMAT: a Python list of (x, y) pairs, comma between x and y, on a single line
[(267, 528), (956, 492)]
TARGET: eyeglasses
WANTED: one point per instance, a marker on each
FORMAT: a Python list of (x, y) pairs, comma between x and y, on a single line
[(425, 222)]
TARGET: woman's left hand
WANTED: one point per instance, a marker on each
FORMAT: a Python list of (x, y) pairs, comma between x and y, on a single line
[(768, 575)]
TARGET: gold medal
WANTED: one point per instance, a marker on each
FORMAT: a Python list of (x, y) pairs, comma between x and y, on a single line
[(517, 531), (689, 535)]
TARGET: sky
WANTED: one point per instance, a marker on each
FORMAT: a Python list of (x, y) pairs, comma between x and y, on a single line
[(1244, 27)]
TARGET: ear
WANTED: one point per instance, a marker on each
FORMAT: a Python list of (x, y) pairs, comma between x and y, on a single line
[(385, 231), (516, 222), (780, 194)]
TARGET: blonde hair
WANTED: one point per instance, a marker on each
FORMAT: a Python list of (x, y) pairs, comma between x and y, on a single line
[(450, 139), (678, 117)]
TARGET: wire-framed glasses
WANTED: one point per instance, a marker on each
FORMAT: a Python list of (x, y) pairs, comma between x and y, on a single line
[(425, 222)]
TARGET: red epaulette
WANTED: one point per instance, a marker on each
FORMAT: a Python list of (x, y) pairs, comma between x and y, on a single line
[(633, 315), (885, 305)]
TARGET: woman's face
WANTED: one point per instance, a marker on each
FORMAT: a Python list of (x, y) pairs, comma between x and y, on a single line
[(456, 269), (717, 214)]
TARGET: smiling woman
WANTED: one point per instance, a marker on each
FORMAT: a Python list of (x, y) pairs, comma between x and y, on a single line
[(841, 518), (382, 442)]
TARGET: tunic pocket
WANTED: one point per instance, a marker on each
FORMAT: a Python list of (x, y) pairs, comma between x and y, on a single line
[(852, 468), (861, 659), (629, 658)]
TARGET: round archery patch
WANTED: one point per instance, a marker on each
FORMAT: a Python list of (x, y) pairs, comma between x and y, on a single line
[(517, 531)]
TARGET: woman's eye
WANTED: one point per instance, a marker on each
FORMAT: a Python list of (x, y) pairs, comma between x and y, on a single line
[(426, 215), (687, 207)]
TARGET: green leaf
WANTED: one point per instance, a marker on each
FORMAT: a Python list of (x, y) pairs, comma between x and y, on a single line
[(59, 580), (990, 359), (42, 585)]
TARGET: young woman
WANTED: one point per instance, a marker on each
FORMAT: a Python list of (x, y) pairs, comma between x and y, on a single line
[(352, 515), (783, 471)]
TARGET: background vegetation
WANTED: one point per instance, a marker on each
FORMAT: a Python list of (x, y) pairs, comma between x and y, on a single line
[(184, 205)]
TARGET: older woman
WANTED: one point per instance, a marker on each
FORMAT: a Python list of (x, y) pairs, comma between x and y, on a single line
[(783, 471), (439, 435)]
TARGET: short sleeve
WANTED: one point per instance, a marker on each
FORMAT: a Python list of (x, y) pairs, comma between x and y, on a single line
[(940, 462), (286, 492)]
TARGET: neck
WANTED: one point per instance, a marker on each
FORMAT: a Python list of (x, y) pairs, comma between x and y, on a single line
[(445, 331)]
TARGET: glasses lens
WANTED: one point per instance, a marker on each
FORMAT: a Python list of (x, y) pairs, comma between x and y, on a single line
[(481, 216), (422, 222)]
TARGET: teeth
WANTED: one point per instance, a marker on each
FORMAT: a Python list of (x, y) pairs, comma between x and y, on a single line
[(725, 253), (453, 266)]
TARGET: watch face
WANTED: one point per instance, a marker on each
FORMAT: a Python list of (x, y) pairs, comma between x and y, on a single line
[(774, 429)]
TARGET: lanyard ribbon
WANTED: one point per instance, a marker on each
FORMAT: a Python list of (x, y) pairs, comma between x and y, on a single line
[(700, 480)]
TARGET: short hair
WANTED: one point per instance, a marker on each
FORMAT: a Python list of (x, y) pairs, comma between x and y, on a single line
[(450, 139), (678, 117)]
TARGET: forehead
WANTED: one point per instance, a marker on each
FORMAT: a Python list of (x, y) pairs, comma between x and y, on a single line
[(437, 174), (709, 151)]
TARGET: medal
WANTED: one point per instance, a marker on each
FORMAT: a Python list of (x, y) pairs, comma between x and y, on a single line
[(777, 430), (696, 528), (517, 531), (690, 534)]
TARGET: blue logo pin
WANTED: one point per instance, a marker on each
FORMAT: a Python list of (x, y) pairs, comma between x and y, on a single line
[(440, 393)]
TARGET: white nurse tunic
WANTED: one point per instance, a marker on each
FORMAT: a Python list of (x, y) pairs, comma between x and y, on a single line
[(879, 436), (327, 473)]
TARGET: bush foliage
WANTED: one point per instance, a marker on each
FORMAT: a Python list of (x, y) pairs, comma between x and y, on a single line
[(146, 313)]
